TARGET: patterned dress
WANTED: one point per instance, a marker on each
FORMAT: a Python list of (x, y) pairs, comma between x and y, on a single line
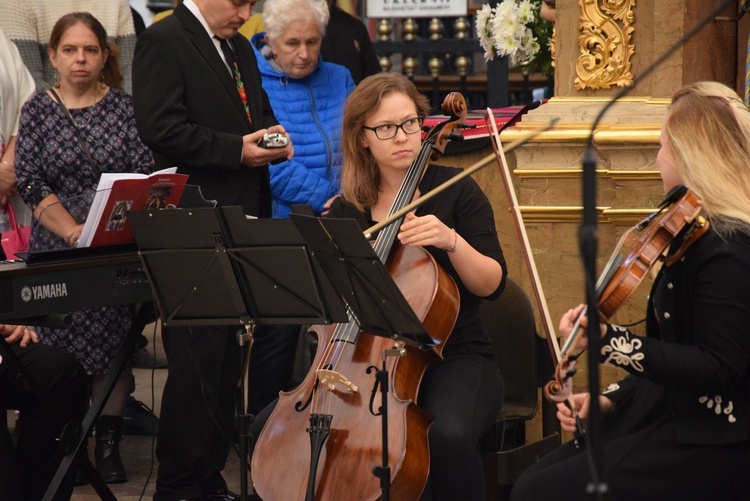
[(50, 160)]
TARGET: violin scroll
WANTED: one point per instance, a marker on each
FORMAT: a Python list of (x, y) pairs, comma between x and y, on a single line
[(560, 388)]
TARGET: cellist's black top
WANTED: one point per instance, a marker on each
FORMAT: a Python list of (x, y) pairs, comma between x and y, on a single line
[(464, 207)]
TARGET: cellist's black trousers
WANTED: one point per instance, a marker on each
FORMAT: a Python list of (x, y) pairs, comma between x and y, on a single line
[(463, 395)]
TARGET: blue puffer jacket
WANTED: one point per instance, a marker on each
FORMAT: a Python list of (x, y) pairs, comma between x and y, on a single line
[(311, 110)]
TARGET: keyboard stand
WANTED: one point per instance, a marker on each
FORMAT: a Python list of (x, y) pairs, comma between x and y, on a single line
[(73, 442)]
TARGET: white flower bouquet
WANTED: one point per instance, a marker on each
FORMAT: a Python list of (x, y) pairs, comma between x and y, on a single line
[(514, 29)]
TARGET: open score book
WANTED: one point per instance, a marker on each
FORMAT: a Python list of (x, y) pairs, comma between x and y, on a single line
[(107, 222)]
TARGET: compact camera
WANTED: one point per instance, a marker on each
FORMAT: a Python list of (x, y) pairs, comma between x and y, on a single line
[(273, 141)]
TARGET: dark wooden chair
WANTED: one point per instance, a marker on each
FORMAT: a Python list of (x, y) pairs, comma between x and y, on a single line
[(509, 321)]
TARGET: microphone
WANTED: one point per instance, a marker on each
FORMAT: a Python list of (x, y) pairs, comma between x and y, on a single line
[(597, 488)]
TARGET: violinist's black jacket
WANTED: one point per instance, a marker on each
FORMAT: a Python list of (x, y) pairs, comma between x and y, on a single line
[(696, 353)]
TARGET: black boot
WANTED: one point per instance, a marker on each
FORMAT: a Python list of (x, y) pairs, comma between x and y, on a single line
[(107, 450)]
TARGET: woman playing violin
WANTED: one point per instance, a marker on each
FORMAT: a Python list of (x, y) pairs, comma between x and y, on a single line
[(678, 425), (463, 392)]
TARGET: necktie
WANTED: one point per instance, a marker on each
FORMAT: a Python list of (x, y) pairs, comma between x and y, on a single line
[(231, 58)]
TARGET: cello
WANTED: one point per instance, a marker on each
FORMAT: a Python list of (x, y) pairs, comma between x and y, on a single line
[(323, 438)]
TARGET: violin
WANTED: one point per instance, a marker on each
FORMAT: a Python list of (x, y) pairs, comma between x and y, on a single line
[(323, 438), (637, 252)]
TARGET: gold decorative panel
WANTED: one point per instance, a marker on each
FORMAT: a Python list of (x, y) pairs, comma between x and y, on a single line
[(604, 44)]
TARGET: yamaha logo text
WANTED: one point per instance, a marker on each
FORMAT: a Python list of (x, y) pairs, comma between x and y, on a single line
[(46, 291)]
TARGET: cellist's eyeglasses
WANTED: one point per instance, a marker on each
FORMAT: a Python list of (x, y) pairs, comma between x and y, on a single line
[(389, 131)]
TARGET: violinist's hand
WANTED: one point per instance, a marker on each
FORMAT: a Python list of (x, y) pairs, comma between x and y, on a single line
[(425, 230), (582, 401), (568, 321), (18, 334)]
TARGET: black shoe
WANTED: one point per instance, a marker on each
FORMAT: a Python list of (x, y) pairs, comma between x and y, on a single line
[(144, 359), (223, 494), (139, 420), (107, 450)]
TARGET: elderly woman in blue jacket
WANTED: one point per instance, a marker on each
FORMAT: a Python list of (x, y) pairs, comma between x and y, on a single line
[(307, 96)]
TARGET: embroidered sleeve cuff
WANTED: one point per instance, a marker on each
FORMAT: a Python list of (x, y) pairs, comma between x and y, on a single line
[(622, 349), (620, 391)]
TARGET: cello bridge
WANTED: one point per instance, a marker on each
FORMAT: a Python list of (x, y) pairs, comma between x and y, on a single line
[(333, 380)]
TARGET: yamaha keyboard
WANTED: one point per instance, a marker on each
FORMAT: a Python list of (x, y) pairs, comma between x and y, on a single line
[(58, 282), (64, 281)]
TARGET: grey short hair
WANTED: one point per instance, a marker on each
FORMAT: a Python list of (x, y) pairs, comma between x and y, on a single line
[(279, 14)]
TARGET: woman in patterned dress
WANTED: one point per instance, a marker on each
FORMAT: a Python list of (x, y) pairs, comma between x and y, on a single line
[(55, 179), (678, 426)]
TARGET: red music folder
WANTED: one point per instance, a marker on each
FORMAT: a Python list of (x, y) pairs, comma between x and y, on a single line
[(107, 222)]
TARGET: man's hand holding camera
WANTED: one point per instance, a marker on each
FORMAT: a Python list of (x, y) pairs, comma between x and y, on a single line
[(266, 145)]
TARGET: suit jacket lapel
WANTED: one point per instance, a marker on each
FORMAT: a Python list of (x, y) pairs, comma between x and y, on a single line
[(208, 51)]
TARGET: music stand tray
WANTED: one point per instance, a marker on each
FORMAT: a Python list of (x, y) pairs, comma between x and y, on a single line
[(351, 264), (213, 266)]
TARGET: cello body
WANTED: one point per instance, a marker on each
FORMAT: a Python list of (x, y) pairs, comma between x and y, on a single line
[(283, 454)]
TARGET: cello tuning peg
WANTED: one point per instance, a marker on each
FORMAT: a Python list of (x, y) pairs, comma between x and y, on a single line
[(455, 136), (570, 373)]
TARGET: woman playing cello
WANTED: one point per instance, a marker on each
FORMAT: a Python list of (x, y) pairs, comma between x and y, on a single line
[(463, 392), (678, 426)]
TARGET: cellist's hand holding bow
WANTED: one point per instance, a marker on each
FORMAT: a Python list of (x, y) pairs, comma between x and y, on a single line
[(426, 230)]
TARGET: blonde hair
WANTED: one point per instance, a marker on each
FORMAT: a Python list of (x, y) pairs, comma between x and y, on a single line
[(360, 177), (708, 130)]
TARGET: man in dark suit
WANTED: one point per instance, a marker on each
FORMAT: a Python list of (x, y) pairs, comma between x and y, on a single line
[(192, 111)]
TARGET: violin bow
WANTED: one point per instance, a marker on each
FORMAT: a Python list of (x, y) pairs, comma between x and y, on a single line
[(499, 155)]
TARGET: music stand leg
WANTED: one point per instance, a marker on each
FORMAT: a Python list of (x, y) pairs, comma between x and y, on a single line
[(245, 340), (143, 317), (383, 472)]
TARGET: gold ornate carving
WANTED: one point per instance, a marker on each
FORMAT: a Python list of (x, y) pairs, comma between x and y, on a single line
[(606, 27), (569, 214), (575, 173)]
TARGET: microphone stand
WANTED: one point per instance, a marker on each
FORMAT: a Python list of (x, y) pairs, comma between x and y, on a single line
[(597, 487)]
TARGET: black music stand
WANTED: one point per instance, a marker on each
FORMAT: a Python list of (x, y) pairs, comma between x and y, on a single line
[(215, 267), (349, 261)]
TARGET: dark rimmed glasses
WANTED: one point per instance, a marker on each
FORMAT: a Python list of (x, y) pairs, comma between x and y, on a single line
[(389, 131)]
